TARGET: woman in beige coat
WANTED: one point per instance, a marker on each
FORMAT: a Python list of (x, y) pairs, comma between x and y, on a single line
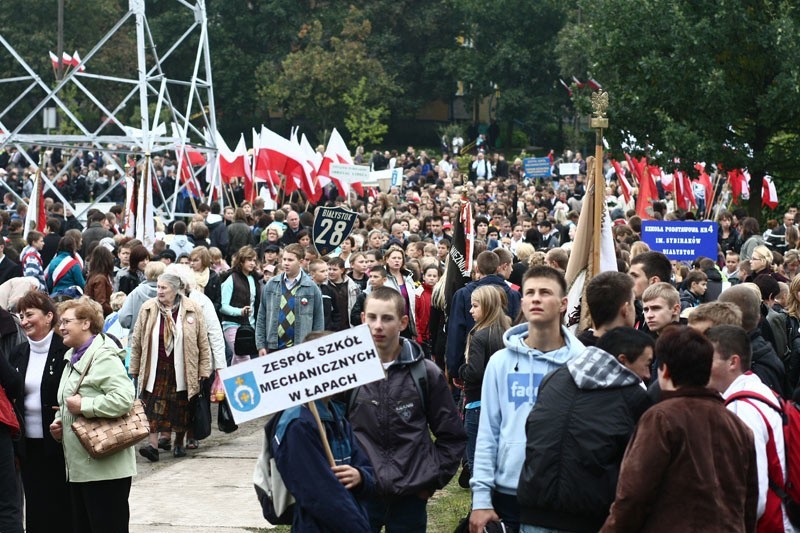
[(170, 354)]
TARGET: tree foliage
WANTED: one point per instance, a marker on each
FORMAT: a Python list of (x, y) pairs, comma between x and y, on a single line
[(699, 80), (365, 120), (312, 81), (515, 59)]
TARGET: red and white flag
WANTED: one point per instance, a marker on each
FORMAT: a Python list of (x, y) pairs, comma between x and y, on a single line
[(187, 157), (53, 59), (739, 182), (337, 152), (314, 158), (624, 184), (67, 59), (769, 196), (595, 86), (566, 86), (283, 156), (232, 164), (76, 60), (310, 183)]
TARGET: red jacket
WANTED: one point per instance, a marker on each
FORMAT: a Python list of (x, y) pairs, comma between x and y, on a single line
[(423, 312)]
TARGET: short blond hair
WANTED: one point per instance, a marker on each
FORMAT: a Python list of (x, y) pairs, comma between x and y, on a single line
[(718, 313), (662, 290), (117, 299)]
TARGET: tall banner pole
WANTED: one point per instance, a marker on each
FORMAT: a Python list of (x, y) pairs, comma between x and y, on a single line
[(599, 123)]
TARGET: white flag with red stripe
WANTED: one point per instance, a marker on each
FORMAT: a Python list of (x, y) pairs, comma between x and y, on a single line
[(76, 60), (769, 196), (53, 59), (232, 164)]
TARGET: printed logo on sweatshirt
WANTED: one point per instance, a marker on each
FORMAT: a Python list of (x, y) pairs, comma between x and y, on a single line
[(520, 390)]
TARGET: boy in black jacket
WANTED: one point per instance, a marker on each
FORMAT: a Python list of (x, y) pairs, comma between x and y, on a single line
[(578, 430)]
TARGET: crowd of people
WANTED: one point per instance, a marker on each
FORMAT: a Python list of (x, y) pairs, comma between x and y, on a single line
[(554, 430)]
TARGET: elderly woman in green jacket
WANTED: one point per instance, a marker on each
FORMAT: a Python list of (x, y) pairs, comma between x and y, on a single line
[(99, 488)]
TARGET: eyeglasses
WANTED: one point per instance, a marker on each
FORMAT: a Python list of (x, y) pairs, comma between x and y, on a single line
[(67, 321), (756, 258)]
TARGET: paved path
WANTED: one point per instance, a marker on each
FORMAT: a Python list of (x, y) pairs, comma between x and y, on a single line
[(210, 490)]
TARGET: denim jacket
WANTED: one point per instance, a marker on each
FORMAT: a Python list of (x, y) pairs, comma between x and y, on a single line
[(308, 311)]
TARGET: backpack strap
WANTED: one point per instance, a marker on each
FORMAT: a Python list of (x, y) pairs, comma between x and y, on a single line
[(748, 395), (775, 472), (420, 376)]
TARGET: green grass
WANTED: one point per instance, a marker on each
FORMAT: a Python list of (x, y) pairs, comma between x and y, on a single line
[(445, 509)]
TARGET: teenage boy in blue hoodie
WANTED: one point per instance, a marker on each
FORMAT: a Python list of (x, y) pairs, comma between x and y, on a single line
[(510, 386)]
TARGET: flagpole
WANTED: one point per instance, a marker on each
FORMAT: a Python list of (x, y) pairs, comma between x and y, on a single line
[(710, 206), (599, 122)]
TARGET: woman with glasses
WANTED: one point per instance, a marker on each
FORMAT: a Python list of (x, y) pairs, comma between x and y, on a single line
[(761, 264), (99, 488), (40, 363)]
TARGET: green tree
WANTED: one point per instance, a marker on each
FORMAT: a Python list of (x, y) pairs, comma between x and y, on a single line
[(699, 80), (514, 62), (311, 81), (365, 120)]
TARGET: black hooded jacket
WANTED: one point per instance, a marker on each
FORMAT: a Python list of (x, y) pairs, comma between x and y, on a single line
[(576, 435)]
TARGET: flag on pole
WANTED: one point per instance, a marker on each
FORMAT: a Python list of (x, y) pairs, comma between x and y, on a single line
[(285, 157), (582, 266), (186, 172), (625, 185), (67, 59), (309, 182), (337, 152), (314, 159), (578, 82), (566, 86), (740, 186), (145, 223), (594, 84), (53, 59), (36, 217), (129, 228), (769, 196), (458, 271), (647, 190), (232, 164), (76, 60)]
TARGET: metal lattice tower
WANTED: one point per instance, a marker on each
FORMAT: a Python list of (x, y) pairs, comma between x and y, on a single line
[(193, 125)]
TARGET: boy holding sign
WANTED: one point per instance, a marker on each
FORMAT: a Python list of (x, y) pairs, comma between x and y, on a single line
[(327, 496), (393, 420)]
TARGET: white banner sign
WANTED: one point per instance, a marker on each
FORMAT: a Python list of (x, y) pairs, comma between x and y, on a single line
[(309, 371), (569, 169), (350, 173)]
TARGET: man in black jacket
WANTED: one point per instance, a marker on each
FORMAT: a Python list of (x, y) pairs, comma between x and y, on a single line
[(51, 237), (407, 423), (578, 430)]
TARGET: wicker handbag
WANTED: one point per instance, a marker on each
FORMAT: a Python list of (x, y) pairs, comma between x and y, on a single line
[(105, 436)]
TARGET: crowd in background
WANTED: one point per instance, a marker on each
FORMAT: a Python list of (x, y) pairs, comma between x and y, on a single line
[(238, 281)]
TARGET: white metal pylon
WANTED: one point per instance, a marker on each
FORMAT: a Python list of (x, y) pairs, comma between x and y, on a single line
[(192, 125)]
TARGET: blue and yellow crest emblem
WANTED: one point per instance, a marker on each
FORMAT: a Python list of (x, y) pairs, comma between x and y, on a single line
[(243, 392)]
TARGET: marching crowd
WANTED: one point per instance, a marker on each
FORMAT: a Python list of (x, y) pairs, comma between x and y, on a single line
[(669, 414)]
